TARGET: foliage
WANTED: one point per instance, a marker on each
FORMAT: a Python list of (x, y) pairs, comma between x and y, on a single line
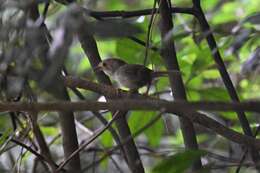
[(29, 71)]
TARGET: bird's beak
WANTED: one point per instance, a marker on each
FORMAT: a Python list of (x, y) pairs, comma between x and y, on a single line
[(99, 67)]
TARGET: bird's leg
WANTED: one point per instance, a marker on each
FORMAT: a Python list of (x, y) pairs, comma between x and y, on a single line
[(148, 88), (119, 92)]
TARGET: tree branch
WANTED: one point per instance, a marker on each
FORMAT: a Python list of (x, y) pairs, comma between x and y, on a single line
[(40, 139), (198, 13), (89, 46), (135, 13), (132, 104), (170, 58), (178, 108), (69, 135), (38, 155), (90, 140)]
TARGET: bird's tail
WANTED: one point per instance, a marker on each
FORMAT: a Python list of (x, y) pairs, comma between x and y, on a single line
[(157, 74)]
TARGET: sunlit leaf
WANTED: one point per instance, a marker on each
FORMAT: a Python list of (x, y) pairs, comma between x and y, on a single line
[(51, 131), (106, 139), (84, 65), (211, 74)]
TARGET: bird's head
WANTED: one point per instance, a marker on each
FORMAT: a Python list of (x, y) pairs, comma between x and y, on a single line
[(110, 66)]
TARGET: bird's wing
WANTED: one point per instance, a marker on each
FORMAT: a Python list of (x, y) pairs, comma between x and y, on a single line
[(139, 75)]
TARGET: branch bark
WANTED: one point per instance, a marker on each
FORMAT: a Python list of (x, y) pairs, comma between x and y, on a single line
[(44, 149), (132, 104), (170, 58), (179, 108)]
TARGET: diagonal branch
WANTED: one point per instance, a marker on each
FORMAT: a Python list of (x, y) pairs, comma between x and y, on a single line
[(146, 126), (89, 46), (198, 12), (40, 138), (38, 155), (96, 135)]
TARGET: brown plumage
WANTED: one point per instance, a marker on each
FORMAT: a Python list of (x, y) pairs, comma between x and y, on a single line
[(132, 76)]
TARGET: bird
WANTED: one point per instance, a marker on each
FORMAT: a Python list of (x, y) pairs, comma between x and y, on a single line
[(130, 76)]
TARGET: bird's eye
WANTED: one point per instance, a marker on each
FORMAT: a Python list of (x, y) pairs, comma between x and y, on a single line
[(104, 64)]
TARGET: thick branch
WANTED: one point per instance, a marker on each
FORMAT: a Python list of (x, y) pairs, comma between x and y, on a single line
[(178, 107), (170, 58), (133, 158), (131, 104)]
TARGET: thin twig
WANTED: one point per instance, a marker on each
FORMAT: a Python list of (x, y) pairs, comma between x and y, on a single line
[(136, 13), (147, 45), (245, 153), (150, 123), (199, 14), (41, 157), (98, 133)]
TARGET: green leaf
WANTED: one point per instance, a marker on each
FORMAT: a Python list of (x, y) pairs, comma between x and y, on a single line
[(193, 95), (106, 47), (106, 139), (176, 139), (134, 53), (162, 83), (129, 51), (154, 134), (50, 131), (4, 121), (229, 115), (211, 74), (226, 13), (202, 61), (83, 65), (138, 119), (5, 136), (179, 162), (214, 94), (194, 82)]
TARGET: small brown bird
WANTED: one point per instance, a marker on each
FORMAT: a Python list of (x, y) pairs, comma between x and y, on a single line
[(131, 76)]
